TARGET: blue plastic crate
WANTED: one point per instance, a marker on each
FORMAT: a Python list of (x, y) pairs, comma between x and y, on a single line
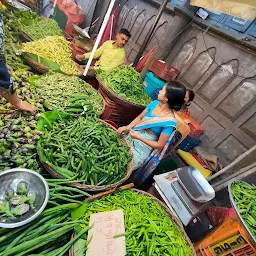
[(188, 143)]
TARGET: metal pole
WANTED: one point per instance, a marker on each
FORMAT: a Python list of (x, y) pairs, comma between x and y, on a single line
[(228, 167), (147, 38), (104, 23)]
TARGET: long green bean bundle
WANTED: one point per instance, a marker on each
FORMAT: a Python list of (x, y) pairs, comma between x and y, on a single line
[(127, 83), (42, 28), (245, 199), (58, 90), (148, 230), (87, 149)]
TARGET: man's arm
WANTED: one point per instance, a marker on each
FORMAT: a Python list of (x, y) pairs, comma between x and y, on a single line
[(97, 54)]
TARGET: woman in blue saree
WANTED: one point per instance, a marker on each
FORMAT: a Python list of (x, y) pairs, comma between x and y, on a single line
[(150, 134)]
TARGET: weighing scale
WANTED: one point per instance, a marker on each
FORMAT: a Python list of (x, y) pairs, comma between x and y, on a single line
[(185, 191)]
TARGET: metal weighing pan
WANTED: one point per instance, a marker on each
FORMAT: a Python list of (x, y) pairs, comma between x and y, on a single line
[(243, 223)]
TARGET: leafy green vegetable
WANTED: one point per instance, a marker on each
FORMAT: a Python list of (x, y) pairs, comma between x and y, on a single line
[(127, 83), (22, 188)]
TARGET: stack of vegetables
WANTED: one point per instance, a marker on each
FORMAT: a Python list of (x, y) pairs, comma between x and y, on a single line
[(56, 49), (50, 233), (245, 198), (125, 82), (69, 93), (18, 133), (11, 38), (148, 229), (17, 203), (36, 27), (86, 149)]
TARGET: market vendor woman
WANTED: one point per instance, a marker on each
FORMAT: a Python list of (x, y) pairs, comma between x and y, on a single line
[(6, 89), (154, 128), (110, 55)]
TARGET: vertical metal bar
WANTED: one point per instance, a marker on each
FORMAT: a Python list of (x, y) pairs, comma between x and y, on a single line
[(105, 21), (147, 38)]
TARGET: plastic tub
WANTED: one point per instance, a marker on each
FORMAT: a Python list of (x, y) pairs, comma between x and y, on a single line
[(152, 83)]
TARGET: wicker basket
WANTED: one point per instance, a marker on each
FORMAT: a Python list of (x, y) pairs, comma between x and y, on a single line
[(40, 68), (170, 215), (92, 188), (36, 66), (116, 112), (116, 98), (25, 38)]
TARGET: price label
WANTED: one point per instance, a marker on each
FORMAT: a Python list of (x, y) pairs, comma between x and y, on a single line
[(222, 248), (101, 237)]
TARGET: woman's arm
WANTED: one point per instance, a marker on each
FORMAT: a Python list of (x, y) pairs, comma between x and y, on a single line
[(133, 123), (163, 138)]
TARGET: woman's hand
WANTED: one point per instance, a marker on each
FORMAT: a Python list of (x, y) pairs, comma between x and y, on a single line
[(10, 70), (120, 130), (134, 135)]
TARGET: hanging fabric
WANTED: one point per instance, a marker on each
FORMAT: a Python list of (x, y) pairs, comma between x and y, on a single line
[(110, 28)]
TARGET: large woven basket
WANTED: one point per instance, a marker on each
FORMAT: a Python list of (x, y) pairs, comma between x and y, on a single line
[(25, 38), (176, 221), (116, 98), (117, 113), (92, 188), (36, 66)]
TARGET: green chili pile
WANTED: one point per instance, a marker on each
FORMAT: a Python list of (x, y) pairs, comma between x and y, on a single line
[(85, 149), (245, 199), (127, 83), (148, 230), (60, 91)]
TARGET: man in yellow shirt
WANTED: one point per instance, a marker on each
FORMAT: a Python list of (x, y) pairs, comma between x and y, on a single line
[(110, 55)]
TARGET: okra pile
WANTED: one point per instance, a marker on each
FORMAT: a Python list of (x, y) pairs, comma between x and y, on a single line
[(127, 83), (62, 92), (148, 229), (86, 149), (245, 199)]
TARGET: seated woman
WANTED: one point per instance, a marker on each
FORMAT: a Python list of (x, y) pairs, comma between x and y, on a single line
[(189, 97), (154, 128)]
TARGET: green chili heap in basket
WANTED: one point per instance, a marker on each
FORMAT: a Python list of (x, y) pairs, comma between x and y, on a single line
[(68, 93), (245, 198), (86, 149), (127, 83), (148, 229)]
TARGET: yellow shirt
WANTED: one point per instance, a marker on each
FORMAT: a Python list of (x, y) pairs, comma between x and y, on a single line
[(110, 57)]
